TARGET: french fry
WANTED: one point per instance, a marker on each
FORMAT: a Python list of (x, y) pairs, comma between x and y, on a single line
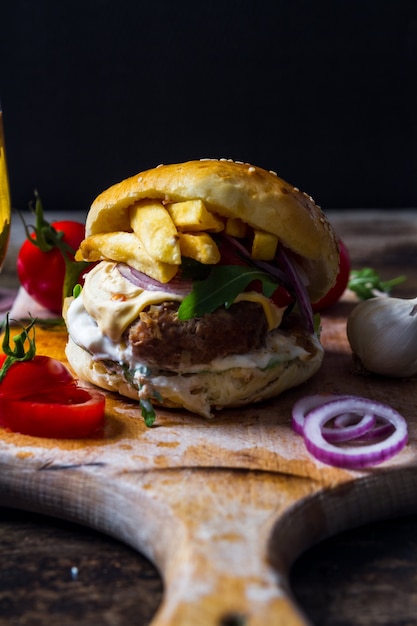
[(199, 246), (264, 246), (192, 215), (235, 227), (151, 222), (127, 248)]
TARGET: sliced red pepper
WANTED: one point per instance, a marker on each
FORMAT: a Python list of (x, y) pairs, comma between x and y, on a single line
[(65, 412), (40, 397)]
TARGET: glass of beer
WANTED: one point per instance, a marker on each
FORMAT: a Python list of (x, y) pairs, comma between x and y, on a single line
[(5, 209)]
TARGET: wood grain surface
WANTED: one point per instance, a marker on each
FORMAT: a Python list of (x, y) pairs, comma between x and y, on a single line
[(224, 508)]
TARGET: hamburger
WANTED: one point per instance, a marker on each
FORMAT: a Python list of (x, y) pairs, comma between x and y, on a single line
[(201, 294)]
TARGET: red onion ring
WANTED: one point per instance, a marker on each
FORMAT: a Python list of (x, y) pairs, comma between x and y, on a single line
[(269, 268), (288, 275), (303, 299), (381, 429), (354, 456), (345, 419), (346, 426), (353, 429), (176, 285), (306, 404)]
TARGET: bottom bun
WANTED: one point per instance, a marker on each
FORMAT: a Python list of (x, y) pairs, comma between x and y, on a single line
[(205, 391)]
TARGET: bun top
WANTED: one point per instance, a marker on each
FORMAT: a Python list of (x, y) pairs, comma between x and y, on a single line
[(232, 190)]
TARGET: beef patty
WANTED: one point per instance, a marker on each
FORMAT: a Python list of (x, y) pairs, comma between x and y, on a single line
[(160, 339)]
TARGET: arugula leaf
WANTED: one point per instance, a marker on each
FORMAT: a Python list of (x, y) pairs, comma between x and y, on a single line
[(221, 288), (194, 270), (77, 290), (317, 324), (147, 410)]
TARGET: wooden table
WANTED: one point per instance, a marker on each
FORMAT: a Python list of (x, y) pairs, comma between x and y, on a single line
[(56, 572)]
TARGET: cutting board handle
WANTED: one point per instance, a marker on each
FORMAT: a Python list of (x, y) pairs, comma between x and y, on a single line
[(222, 539)]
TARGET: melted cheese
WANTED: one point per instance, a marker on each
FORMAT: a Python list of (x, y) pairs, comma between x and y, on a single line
[(272, 313), (114, 302)]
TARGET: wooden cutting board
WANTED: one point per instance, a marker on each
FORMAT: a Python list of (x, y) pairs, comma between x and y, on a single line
[(222, 507)]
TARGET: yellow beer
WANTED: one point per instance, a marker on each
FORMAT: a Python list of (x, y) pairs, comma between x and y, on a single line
[(4, 197)]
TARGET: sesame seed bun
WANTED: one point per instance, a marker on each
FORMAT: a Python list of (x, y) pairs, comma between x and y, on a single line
[(258, 197)]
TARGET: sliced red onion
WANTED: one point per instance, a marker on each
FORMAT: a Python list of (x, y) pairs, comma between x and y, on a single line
[(302, 296), (269, 268), (288, 275), (306, 404), (346, 426), (354, 456), (176, 285), (380, 430), (345, 419), (353, 429), (234, 243)]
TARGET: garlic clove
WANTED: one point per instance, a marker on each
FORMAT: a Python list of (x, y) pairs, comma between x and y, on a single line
[(382, 333)]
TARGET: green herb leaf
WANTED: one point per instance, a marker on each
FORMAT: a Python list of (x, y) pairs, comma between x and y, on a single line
[(148, 412), (221, 288), (73, 270), (77, 290), (367, 283), (45, 322), (317, 324), (192, 269)]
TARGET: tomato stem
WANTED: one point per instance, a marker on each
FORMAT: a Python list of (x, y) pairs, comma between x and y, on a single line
[(46, 237), (19, 352)]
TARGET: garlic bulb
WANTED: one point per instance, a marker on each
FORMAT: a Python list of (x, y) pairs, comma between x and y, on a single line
[(382, 333)]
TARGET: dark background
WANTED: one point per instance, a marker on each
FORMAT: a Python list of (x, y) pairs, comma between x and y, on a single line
[(321, 91)]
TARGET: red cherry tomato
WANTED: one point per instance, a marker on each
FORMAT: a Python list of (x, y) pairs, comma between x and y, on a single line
[(41, 398), (42, 273), (36, 375), (281, 298), (340, 285)]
